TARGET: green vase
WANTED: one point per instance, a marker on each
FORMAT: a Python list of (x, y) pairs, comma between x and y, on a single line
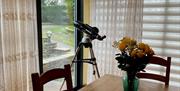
[(130, 85)]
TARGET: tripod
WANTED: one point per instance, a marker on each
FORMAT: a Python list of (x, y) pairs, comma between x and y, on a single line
[(86, 42), (92, 33)]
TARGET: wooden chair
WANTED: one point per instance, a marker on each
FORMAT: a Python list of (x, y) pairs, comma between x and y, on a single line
[(39, 80), (158, 61)]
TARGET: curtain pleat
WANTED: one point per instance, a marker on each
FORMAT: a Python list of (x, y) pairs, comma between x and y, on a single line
[(18, 44)]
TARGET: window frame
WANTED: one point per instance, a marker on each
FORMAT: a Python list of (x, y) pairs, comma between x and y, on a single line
[(78, 36)]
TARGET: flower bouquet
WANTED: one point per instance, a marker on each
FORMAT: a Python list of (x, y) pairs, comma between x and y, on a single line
[(132, 58)]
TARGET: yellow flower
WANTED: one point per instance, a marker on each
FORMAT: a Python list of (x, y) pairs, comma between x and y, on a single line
[(126, 40), (147, 49), (133, 42), (132, 49), (141, 46), (122, 46), (133, 53)]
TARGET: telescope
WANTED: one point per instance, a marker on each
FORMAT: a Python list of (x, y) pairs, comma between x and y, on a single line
[(92, 32)]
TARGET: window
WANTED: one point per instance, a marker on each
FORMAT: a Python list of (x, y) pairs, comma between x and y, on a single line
[(57, 36), (161, 29)]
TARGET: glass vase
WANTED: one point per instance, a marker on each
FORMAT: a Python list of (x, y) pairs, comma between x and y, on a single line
[(130, 83)]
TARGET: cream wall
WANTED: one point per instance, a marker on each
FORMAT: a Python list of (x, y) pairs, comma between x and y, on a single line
[(86, 51)]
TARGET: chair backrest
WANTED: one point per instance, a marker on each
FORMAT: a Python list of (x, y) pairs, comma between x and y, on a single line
[(159, 61), (39, 80)]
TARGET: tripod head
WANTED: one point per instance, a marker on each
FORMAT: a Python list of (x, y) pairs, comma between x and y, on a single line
[(92, 32)]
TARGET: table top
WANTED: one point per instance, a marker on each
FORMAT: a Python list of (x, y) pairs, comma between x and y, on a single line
[(114, 83)]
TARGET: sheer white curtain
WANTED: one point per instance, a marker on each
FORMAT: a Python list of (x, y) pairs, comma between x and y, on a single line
[(18, 44), (115, 19)]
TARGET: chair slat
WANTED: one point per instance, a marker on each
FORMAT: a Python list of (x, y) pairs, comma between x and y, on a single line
[(159, 61)]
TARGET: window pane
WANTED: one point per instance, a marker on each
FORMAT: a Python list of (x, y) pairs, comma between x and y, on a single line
[(57, 36)]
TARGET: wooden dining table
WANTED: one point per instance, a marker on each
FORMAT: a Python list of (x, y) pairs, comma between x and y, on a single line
[(114, 83)]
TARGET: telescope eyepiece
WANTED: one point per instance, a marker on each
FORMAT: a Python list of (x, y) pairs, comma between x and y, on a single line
[(95, 30)]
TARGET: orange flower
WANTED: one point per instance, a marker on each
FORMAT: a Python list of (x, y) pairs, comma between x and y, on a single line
[(140, 54), (133, 53), (122, 46)]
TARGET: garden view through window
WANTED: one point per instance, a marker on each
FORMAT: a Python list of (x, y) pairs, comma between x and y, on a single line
[(57, 36)]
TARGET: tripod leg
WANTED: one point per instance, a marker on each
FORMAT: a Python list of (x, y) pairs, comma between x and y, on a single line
[(94, 62), (73, 61), (94, 71), (77, 51), (97, 70)]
